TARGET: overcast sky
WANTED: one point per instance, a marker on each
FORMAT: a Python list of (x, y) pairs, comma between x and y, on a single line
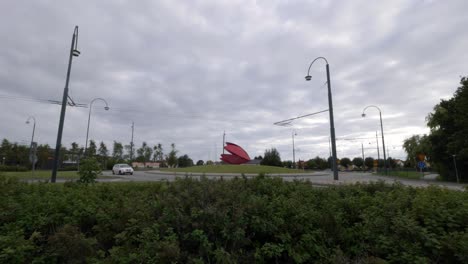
[(185, 71)]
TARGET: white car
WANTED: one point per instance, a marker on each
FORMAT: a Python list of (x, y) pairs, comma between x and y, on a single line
[(122, 169)]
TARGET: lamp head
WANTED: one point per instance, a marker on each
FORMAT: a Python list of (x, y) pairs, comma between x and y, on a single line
[(106, 108), (363, 115), (308, 78), (76, 53)]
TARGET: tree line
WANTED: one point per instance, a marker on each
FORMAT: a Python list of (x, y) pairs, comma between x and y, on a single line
[(14, 156), (272, 158)]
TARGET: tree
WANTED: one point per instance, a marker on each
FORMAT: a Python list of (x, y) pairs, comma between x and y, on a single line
[(117, 151), (148, 152), (158, 152), (129, 152), (74, 151), (92, 148), (369, 162), (171, 158), (200, 163), (271, 158), (43, 154), (209, 162), (321, 163), (287, 164), (5, 151), (345, 162), (311, 164), (391, 163), (184, 161), (141, 153), (358, 162), (448, 125), (416, 145), (103, 153)]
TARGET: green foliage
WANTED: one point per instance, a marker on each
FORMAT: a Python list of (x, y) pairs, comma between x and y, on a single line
[(184, 161), (358, 162), (369, 162), (89, 170), (171, 158), (449, 130), (12, 168), (272, 158), (200, 162), (416, 145), (345, 162), (92, 149), (243, 220)]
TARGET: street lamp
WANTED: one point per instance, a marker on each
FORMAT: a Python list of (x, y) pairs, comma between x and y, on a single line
[(456, 170), (73, 52), (381, 128), (332, 122), (89, 118), (32, 153), (294, 151)]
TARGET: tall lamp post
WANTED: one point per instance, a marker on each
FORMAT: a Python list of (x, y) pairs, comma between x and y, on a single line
[(73, 52), (381, 129), (89, 118), (32, 153), (330, 110), (294, 150)]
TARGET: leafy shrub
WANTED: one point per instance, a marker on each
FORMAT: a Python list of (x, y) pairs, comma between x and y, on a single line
[(12, 168), (242, 220), (89, 170)]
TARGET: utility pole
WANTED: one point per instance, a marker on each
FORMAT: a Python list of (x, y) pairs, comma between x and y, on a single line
[(378, 153), (73, 52), (131, 143), (362, 148), (294, 151), (224, 139)]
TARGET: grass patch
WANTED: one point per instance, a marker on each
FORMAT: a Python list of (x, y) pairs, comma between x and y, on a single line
[(234, 169), (43, 175)]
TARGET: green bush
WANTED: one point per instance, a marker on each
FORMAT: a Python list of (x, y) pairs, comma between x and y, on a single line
[(12, 168), (89, 170), (263, 220)]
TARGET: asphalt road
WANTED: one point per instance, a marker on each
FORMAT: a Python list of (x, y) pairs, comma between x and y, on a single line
[(316, 178)]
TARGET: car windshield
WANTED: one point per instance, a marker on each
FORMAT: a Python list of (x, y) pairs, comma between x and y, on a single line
[(124, 166)]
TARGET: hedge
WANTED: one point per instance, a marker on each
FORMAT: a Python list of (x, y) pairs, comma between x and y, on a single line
[(259, 220)]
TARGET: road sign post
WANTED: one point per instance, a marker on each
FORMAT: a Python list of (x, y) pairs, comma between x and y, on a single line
[(421, 166)]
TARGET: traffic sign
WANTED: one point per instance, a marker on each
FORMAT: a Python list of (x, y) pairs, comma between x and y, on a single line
[(421, 164)]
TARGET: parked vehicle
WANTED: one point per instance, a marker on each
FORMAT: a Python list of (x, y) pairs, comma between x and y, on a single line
[(122, 169)]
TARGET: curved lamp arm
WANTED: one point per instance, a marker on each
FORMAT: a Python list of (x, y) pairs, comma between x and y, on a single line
[(308, 77), (91, 104), (29, 118), (365, 108)]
